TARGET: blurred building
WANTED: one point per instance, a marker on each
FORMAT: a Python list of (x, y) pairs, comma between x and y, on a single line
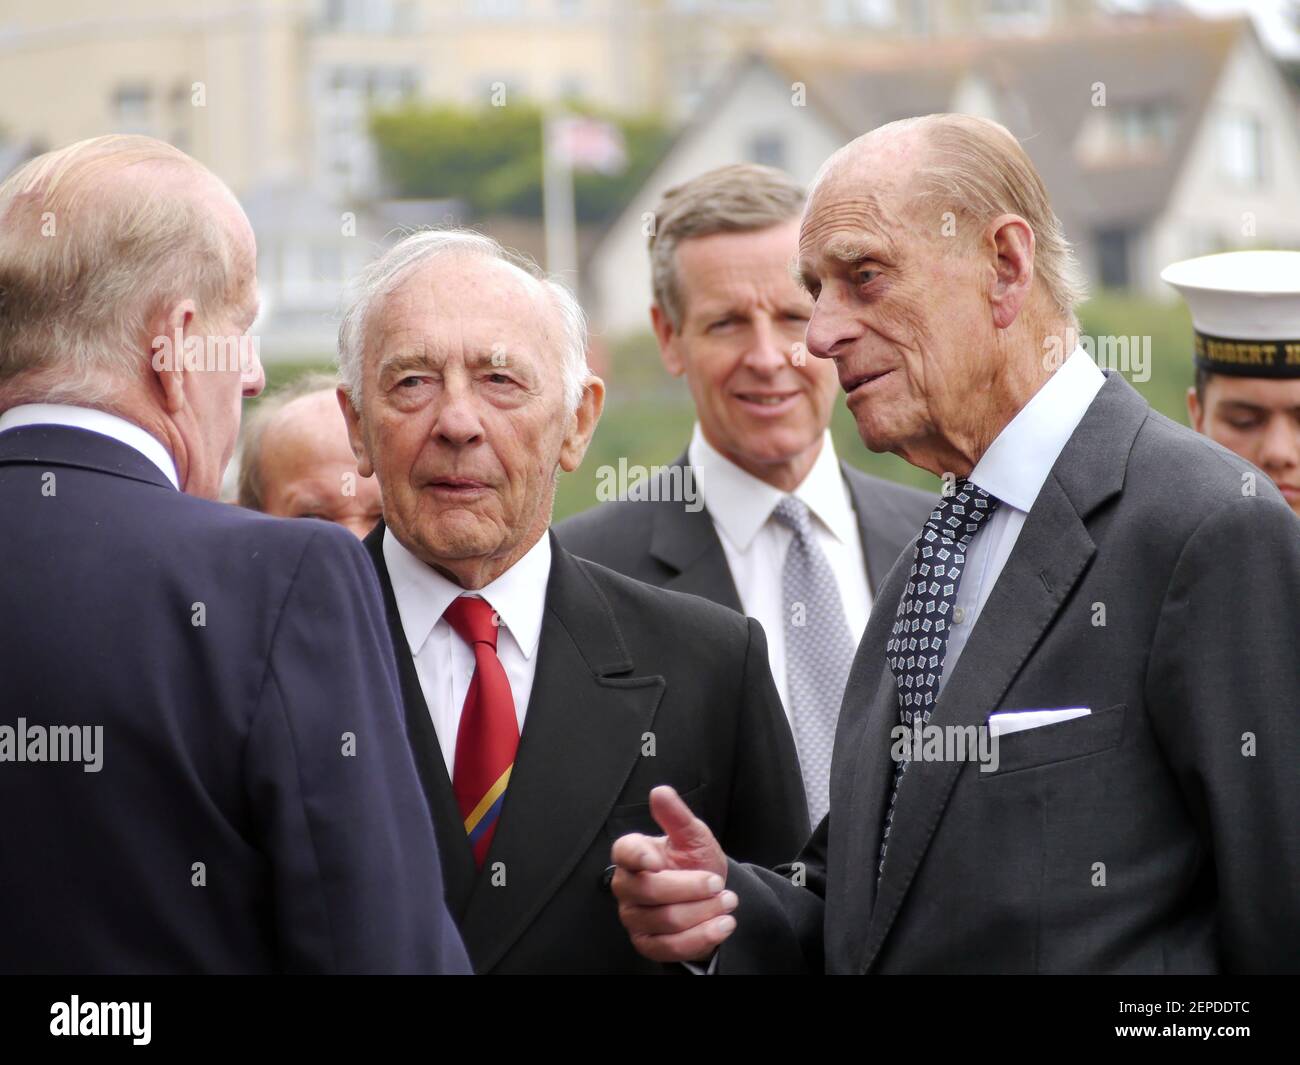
[(274, 96), (1158, 139)]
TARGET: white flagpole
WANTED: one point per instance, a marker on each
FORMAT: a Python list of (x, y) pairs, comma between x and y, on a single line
[(557, 203)]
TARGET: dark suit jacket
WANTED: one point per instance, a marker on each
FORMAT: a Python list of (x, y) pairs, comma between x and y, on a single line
[(664, 544), (634, 687), (223, 742), (1158, 834)]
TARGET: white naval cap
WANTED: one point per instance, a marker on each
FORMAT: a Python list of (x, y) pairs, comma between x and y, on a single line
[(1245, 311)]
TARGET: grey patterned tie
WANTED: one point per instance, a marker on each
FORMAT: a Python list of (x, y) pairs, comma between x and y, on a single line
[(919, 640), (818, 652)]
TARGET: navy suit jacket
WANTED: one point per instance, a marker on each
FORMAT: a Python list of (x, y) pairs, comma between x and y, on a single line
[(257, 808)]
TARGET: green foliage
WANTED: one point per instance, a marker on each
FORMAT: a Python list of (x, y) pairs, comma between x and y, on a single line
[(491, 158)]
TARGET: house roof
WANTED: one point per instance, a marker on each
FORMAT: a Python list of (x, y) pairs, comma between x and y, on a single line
[(1043, 89)]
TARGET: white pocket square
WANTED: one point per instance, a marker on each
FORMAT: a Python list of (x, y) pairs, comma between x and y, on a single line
[(1019, 720)]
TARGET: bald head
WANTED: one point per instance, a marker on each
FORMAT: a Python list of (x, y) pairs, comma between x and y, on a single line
[(942, 285), (128, 282), (297, 462)]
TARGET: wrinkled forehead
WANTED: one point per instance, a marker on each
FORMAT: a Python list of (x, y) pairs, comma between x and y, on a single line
[(457, 303), (866, 192)]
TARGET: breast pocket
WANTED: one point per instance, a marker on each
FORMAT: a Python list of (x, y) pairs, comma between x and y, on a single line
[(1049, 745), (635, 816)]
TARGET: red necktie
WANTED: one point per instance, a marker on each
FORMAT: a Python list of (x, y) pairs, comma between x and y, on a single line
[(489, 734)]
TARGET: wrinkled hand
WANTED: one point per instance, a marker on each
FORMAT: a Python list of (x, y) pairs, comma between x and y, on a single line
[(670, 888)]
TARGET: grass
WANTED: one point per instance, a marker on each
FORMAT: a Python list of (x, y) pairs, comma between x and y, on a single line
[(648, 416)]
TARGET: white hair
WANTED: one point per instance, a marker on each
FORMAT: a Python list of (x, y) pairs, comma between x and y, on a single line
[(385, 274)]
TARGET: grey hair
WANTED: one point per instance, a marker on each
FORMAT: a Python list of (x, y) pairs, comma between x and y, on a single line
[(383, 276), (738, 198)]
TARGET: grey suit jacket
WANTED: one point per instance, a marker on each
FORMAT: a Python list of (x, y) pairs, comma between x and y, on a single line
[(1158, 834), (664, 544)]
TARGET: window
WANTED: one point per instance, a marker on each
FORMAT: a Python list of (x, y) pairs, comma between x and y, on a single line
[(860, 12), (133, 109), (1113, 258), (361, 16), (1125, 133), (768, 149), (1241, 149)]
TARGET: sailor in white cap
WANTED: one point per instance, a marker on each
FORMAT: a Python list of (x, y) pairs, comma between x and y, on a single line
[(1246, 316)]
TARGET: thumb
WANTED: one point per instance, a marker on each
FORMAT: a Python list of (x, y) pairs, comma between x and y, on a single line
[(684, 830)]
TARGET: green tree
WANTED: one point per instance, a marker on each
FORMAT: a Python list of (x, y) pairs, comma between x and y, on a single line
[(491, 158)]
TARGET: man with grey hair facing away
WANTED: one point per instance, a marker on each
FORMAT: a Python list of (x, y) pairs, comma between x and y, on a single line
[(545, 695), (766, 519), (252, 806), (1110, 597)]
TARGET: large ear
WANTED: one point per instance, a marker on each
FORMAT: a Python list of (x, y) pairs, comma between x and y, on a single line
[(583, 424), (356, 438), (670, 350), (171, 329), (1010, 240)]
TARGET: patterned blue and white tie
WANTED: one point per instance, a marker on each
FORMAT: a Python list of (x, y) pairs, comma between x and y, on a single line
[(919, 639), (818, 652)]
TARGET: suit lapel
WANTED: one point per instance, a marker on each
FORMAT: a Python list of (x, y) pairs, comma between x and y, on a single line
[(582, 737), (453, 846), (1050, 555), (686, 541)]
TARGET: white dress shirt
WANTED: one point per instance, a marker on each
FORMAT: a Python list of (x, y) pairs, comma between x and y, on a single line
[(443, 661), (1014, 469), (755, 543), (96, 421)]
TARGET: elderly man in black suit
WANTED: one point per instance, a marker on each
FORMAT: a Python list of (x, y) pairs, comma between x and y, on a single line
[(758, 514), (545, 694), (204, 768), (1104, 600)]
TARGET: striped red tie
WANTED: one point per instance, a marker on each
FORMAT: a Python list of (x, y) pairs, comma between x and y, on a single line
[(489, 734)]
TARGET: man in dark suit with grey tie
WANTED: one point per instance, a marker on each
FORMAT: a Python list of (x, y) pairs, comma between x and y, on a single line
[(545, 695), (1104, 603), (759, 514), (202, 762)]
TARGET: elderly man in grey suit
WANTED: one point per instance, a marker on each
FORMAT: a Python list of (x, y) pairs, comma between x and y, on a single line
[(758, 514), (1109, 596)]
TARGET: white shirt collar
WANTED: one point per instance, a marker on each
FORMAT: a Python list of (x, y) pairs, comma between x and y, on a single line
[(423, 594), (95, 421), (1018, 461), (740, 504)]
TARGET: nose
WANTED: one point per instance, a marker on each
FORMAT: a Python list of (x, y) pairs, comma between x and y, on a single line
[(765, 356), (830, 327), (1281, 447), (254, 377), (457, 422)]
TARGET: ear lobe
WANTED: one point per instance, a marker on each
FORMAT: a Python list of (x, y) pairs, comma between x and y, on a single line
[(669, 352), (167, 352), (1013, 246), (1195, 413), (356, 438), (583, 424)]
